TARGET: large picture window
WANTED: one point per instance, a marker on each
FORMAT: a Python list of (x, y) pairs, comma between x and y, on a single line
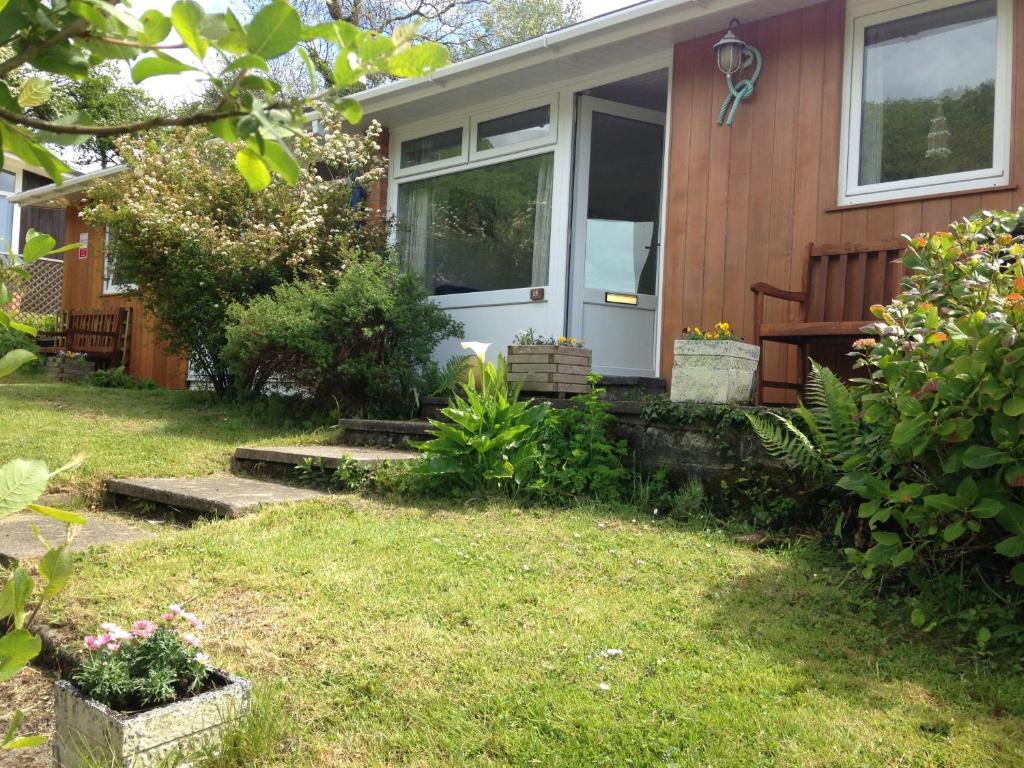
[(8, 185), (928, 99), (483, 229)]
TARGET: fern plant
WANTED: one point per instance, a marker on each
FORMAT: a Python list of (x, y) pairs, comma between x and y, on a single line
[(829, 428)]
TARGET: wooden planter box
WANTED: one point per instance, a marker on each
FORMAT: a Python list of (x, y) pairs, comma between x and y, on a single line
[(709, 371), (68, 369), (90, 734), (550, 368)]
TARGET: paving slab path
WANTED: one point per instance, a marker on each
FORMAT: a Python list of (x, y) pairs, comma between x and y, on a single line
[(18, 542)]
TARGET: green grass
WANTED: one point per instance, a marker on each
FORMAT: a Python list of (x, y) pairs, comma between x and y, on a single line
[(404, 635), (127, 433), (430, 635)]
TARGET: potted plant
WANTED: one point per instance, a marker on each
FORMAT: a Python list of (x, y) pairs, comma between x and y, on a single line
[(144, 696), (69, 366), (714, 366), (552, 365)]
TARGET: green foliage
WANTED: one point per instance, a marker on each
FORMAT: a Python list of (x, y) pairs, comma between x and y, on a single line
[(364, 338), (117, 378), (578, 458), (79, 40), (447, 378), (488, 442), (349, 475), (139, 672), (11, 339)]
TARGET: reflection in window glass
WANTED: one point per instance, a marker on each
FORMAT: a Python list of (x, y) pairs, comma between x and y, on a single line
[(484, 229), (7, 185), (929, 94), (110, 283), (431, 149), (506, 131)]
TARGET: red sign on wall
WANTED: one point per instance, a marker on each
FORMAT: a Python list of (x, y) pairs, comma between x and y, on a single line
[(83, 246)]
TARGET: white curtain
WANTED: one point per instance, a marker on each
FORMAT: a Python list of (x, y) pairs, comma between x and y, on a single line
[(415, 214), (542, 224)]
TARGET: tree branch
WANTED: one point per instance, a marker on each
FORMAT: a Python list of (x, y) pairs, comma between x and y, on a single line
[(199, 118)]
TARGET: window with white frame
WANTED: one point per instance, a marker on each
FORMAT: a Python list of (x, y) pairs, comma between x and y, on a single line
[(928, 87), (475, 215), (8, 186), (110, 283)]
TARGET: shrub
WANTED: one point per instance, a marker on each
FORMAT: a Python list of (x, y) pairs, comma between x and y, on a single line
[(11, 339), (934, 449), (489, 442), (193, 238), (365, 338), (117, 378), (154, 663)]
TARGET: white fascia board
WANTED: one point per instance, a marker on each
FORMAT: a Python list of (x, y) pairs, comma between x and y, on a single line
[(72, 186)]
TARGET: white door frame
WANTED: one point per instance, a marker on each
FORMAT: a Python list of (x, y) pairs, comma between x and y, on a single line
[(578, 292)]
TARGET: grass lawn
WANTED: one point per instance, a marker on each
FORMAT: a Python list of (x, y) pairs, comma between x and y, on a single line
[(430, 635), (127, 432)]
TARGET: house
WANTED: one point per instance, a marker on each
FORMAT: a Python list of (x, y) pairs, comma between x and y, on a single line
[(580, 183), (88, 279)]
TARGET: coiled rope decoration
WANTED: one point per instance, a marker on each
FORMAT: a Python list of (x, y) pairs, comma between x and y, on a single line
[(743, 89)]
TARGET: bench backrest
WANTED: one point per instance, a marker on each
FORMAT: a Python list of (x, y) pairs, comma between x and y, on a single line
[(842, 281), (97, 332)]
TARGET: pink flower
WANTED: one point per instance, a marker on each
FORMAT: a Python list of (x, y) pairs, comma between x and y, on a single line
[(175, 609), (143, 629), (167, 617), (192, 619), (191, 639), (114, 631), (93, 643), (202, 658), (113, 645)]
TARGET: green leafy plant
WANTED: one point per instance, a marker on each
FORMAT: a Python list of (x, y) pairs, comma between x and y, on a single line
[(156, 662), (578, 457), (117, 378), (488, 442)]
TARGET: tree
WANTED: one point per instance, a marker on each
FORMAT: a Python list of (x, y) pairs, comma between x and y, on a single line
[(465, 27), (72, 38)]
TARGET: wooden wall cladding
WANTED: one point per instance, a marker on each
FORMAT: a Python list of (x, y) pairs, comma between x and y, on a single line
[(744, 202)]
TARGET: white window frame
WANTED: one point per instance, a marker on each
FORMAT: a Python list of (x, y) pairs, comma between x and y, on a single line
[(509, 110), (15, 167), (865, 13), (110, 288), (422, 132)]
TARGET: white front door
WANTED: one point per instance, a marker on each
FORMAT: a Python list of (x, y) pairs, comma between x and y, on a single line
[(615, 235), (616, 238)]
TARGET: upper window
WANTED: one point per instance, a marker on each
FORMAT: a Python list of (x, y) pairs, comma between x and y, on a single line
[(110, 283), (928, 99), (8, 184), (431, 149), (512, 130)]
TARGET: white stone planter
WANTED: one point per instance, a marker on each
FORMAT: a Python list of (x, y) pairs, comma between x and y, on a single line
[(90, 734), (707, 371)]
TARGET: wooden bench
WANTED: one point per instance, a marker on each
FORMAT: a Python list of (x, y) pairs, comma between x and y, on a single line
[(840, 283), (101, 334)]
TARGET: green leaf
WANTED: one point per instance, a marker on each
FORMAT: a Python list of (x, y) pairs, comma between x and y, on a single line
[(155, 27), (310, 69), (907, 432), (14, 595), (1017, 574), (252, 168), (60, 515), (983, 636), (17, 649), (987, 508), (351, 110), (954, 531), (223, 129), (249, 61), (281, 161), (34, 92), (37, 245), (1011, 547), (1014, 406), (274, 30), (158, 64), (886, 538), (13, 360), (942, 502), (983, 457), (186, 16), (418, 60), (55, 567), (918, 617), (21, 483), (903, 557), (24, 742)]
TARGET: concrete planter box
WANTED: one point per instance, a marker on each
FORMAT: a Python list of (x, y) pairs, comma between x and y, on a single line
[(68, 369), (708, 371), (90, 734), (549, 368)]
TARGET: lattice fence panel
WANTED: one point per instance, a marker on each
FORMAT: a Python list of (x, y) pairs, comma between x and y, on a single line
[(41, 294)]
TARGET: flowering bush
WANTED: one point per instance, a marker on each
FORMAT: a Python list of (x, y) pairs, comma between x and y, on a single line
[(153, 663), (195, 240), (721, 332), (530, 337)]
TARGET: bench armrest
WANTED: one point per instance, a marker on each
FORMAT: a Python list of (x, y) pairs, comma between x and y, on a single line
[(770, 290)]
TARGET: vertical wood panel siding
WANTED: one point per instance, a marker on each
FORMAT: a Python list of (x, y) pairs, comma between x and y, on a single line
[(83, 289), (744, 202)]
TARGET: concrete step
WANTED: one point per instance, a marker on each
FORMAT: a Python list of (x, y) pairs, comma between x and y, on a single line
[(217, 495), (382, 433), (250, 458)]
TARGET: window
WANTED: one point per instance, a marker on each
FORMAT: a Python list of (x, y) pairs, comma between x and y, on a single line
[(483, 229), (530, 126), (110, 284), (8, 184), (928, 99), (428, 150)]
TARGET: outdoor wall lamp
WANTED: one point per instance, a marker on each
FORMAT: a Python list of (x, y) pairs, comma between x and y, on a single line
[(733, 57)]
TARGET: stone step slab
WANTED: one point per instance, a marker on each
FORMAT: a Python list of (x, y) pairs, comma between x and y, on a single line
[(383, 433), (330, 456), (217, 495)]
